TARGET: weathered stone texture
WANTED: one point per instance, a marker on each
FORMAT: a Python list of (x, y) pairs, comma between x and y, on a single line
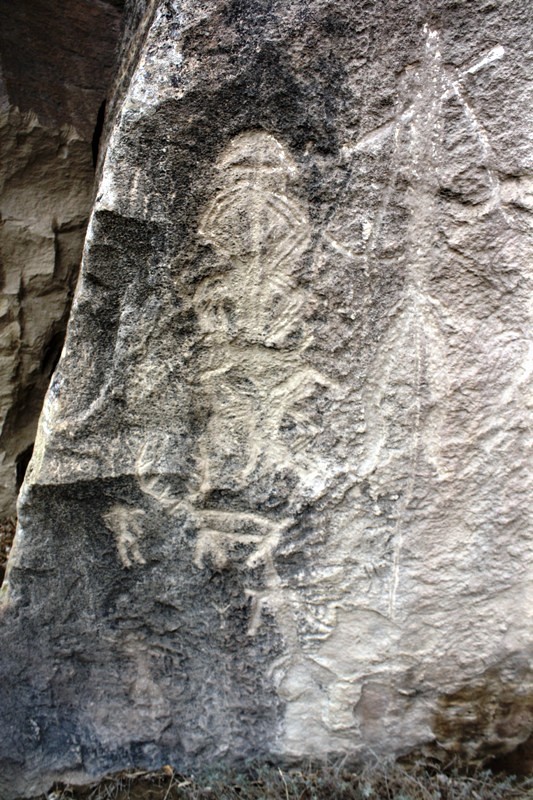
[(278, 504), (58, 58), (56, 62), (45, 201)]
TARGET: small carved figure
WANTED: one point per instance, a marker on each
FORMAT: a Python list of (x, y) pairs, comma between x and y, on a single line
[(125, 523)]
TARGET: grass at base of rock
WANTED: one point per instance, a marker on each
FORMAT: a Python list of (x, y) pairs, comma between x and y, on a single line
[(417, 781)]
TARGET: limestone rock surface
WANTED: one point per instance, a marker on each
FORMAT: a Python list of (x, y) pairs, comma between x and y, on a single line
[(278, 504)]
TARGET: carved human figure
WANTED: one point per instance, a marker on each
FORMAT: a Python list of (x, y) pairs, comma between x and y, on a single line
[(255, 390), (252, 376)]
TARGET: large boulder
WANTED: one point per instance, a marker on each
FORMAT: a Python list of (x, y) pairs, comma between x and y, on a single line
[(278, 501)]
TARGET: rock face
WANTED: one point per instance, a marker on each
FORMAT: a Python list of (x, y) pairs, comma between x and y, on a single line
[(55, 63), (44, 206), (278, 502)]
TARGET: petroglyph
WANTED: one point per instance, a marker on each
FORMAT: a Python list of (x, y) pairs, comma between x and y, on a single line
[(411, 364), (259, 421), (277, 503), (125, 523), (257, 392), (252, 375), (255, 389), (220, 531), (449, 84), (259, 233)]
